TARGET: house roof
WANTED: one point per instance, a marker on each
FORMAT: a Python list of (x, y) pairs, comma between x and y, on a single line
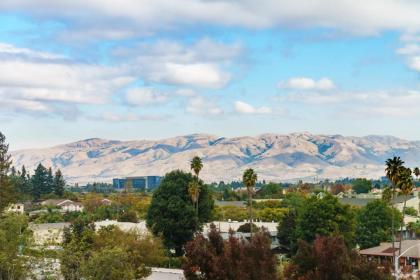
[(385, 249)]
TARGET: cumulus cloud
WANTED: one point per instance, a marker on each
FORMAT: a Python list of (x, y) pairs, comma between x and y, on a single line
[(127, 18), (202, 64), (245, 108), (32, 81), (411, 50), (303, 83), (145, 96)]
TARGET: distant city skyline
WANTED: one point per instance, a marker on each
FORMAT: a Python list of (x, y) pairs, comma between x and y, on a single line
[(71, 70)]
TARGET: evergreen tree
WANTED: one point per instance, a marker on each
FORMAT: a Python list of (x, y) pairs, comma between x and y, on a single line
[(50, 181), (59, 183), (40, 182), (6, 189)]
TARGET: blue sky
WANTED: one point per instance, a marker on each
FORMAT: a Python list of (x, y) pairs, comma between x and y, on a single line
[(151, 69)]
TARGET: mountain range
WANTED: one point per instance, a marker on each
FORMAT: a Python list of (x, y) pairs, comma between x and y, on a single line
[(297, 156)]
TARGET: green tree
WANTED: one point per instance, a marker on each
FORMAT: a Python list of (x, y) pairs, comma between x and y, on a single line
[(6, 188), (249, 179), (387, 195), (325, 217), (171, 213), (59, 183), (14, 239), (416, 172), (405, 183), (374, 223), (362, 185), (40, 182), (196, 165), (392, 171)]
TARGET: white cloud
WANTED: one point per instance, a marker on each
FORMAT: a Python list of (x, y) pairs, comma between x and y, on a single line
[(126, 18), (414, 63), (202, 64), (245, 108), (401, 103), (145, 96), (127, 117), (200, 106), (409, 49), (304, 83), (32, 81)]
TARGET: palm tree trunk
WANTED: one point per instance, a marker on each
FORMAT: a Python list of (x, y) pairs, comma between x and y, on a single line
[(250, 212), (393, 225), (402, 224)]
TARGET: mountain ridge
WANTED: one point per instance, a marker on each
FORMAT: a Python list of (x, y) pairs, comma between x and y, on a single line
[(275, 157)]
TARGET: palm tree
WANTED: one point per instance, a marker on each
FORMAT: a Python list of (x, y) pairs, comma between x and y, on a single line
[(405, 183), (249, 179), (196, 165), (392, 170), (416, 172)]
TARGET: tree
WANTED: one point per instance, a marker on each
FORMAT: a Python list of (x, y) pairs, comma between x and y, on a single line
[(361, 185), (387, 195), (374, 223), (196, 165), (235, 259), (405, 183), (249, 179), (171, 213), (40, 182), (108, 253), (14, 238), (325, 217), (416, 172), (328, 258), (393, 170), (286, 231), (59, 183), (6, 188), (49, 188)]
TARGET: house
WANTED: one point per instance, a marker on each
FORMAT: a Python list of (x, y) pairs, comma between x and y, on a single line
[(18, 208), (410, 250), (66, 205)]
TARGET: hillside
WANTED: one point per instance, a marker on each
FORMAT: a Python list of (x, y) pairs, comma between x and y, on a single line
[(275, 157)]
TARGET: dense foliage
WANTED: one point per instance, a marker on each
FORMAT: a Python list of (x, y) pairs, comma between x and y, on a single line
[(235, 259), (328, 258), (108, 253), (172, 214)]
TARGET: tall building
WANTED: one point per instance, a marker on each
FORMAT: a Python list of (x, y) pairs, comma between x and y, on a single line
[(142, 183)]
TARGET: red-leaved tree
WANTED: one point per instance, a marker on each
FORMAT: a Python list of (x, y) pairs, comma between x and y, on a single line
[(234, 259)]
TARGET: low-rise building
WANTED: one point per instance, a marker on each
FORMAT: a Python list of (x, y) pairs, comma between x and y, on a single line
[(66, 205), (410, 250), (18, 208)]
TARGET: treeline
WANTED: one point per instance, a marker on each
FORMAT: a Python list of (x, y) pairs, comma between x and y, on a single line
[(42, 183)]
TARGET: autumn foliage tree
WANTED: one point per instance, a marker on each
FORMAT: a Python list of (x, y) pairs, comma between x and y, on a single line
[(328, 258), (217, 259)]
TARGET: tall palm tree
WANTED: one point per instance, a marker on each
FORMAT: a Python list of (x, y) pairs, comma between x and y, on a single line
[(416, 172), (405, 183), (392, 170), (250, 179), (196, 165)]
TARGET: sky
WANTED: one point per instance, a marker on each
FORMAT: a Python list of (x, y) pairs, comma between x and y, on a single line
[(150, 69)]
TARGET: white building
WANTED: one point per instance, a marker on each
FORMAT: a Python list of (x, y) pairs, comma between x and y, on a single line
[(18, 208), (65, 205)]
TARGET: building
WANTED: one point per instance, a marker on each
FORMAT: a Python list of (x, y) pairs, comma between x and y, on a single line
[(66, 205), (410, 250), (143, 183), (18, 208)]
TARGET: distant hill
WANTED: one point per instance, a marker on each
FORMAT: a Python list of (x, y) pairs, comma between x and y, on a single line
[(275, 157)]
